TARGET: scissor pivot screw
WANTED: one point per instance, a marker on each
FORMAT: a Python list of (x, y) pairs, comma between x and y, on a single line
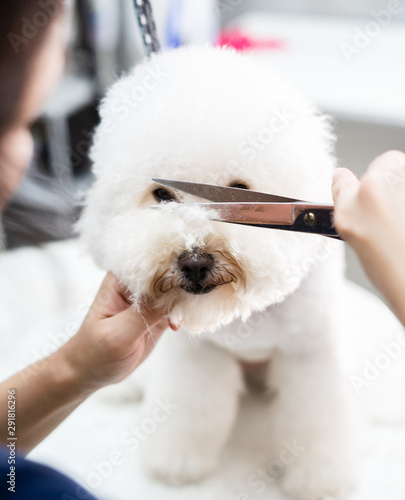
[(310, 219)]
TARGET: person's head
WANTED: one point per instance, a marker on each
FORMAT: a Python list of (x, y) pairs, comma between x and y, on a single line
[(31, 59)]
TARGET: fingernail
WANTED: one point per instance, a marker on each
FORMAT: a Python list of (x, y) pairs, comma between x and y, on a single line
[(174, 327)]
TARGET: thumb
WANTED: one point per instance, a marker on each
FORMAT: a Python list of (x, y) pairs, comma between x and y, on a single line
[(112, 299), (344, 186)]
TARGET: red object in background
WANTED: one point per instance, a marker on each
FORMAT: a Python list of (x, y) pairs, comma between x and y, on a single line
[(237, 40)]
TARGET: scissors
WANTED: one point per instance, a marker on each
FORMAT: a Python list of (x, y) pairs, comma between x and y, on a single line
[(252, 208)]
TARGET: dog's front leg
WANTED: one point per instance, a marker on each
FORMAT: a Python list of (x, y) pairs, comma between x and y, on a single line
[(200, 384), (312, 422)]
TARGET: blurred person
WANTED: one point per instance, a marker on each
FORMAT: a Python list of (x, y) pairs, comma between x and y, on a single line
[(113, 339)]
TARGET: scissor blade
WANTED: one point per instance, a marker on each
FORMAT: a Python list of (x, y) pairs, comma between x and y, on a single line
[(221, 194), (315, 218), (250, 213)]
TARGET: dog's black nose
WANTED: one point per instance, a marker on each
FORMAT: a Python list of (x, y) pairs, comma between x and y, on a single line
[(195, 266)]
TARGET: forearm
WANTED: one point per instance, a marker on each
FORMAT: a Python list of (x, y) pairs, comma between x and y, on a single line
[(385, 265), (45, 394), (112, 341), (370, 216)]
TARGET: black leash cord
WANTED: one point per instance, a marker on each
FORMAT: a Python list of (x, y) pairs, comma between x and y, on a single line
[(147, 25)]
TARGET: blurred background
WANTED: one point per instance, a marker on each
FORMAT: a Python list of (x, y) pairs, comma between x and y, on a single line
[(348, 57)]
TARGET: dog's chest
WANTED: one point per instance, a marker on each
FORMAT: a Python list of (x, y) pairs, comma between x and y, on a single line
[(253, 340)]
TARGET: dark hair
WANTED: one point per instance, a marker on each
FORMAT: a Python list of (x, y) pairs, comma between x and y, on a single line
[(23, 27)]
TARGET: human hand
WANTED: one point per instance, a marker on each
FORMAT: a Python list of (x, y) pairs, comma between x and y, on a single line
[(370, 216), (114, 338)]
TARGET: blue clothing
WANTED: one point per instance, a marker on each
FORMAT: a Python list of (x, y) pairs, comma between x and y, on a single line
[(22, 479)]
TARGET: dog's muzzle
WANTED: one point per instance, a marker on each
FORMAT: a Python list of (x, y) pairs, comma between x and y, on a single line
[(196, 272)]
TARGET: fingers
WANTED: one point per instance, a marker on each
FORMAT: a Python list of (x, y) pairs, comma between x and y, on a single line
[(121, 319), (393, 161), (174, 326), (113, 299), (134, 325), (109, 300), (151, 340), (345, 185)]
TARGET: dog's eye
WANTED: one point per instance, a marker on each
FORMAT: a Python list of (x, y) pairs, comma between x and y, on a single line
[(239, 185), (162, 194)]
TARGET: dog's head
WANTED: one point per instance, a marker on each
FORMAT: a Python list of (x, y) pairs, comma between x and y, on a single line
[(214, 116)]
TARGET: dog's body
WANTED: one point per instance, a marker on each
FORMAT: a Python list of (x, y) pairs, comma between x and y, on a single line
[(260, 296)]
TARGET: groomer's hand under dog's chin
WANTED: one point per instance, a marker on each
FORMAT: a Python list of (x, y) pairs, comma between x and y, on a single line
[(113, 340)]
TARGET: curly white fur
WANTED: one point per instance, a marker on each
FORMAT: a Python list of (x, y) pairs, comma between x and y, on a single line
[(215, 116)]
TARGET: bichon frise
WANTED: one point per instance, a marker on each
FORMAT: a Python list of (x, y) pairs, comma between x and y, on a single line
[(265, 298)]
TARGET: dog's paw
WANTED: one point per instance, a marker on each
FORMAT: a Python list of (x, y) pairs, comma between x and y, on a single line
[(303, 481), (177, 465)]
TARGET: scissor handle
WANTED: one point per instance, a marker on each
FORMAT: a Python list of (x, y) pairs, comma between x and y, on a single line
[(316, 221), (311, 220)]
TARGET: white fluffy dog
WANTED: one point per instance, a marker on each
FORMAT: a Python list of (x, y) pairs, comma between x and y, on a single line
[(263, 298)]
